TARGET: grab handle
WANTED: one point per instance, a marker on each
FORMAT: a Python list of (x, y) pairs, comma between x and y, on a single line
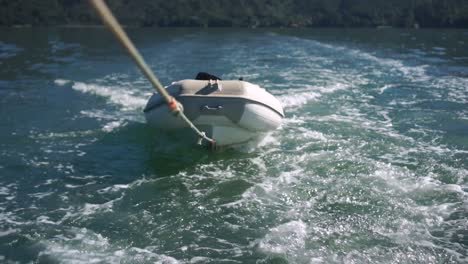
[(212, 108)]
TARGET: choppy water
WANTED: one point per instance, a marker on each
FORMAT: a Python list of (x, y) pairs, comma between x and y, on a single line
[(370, 166)]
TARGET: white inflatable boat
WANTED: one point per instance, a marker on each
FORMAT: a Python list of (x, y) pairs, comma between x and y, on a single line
[(230, 112)]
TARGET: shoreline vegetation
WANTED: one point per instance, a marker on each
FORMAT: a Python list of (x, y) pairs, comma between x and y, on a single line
[(241, 13)]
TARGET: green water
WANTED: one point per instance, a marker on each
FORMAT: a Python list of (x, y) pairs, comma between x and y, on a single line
[(370, 165)]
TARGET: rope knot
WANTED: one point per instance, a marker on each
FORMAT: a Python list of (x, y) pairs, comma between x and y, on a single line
[(201, 137)]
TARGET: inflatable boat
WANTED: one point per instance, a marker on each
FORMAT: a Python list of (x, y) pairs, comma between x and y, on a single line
[(231, 112)]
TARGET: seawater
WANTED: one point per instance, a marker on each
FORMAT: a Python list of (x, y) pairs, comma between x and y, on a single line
[(370, 165)]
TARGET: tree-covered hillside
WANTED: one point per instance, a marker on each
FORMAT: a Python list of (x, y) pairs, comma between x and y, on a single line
[(243, 13)]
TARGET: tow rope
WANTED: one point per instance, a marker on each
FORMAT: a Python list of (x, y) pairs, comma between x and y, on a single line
[(114, 26)]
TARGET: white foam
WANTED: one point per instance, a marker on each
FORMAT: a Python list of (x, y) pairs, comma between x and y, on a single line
[(307, 134), (65, 168), (4, 190), (43, 219), (413, 73), (114, 188), (63, 135), (416, 73), (286, 239), (128, 99), (61, 82), (199, 259), (451, 88), (295, 99), (385, 87), (89, 177), (8, 232), (122, 96), (89, 247), (74, 186), (260, 163), (98, 114), (40, 195), (111, 126), (271, 140), (89, 209)]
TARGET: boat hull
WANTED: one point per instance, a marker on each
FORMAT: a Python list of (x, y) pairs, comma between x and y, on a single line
[(228, 118)]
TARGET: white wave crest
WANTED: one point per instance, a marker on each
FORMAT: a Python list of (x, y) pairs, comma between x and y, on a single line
[(286, 239), (89, 247), (122, 96), (61, 82)]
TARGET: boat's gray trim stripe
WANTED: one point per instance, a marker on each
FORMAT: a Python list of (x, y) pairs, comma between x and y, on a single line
[(149, 108)]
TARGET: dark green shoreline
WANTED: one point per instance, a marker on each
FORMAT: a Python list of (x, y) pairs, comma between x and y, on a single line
[(242, 13)]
